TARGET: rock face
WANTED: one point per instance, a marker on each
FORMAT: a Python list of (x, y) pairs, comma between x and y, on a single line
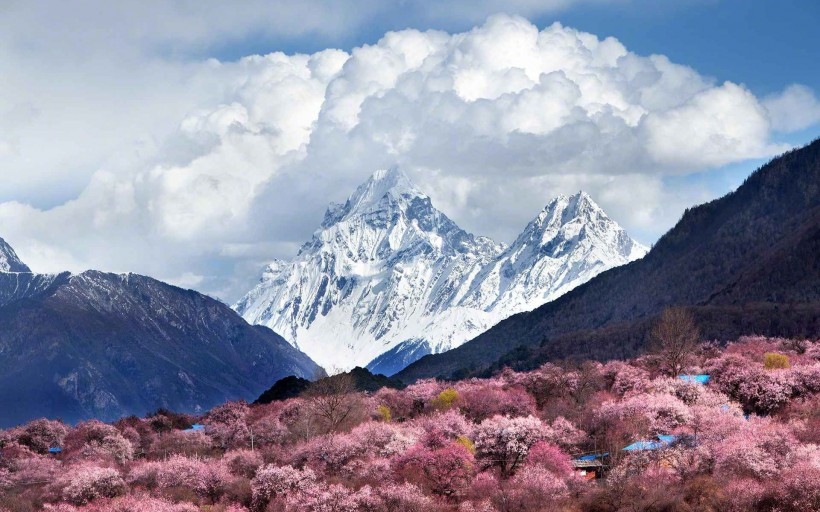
[(747, 263), (388, 278), (9, 262), (106, 345)]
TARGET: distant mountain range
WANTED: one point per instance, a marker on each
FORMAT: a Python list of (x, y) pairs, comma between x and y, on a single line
[(388, 278), (106, 345), (746, 263)]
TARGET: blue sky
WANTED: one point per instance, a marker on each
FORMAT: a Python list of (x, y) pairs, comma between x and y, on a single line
[(759, 43), (755, 42), (167, 138)]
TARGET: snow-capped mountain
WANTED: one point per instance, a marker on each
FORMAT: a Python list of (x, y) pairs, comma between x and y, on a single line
[(388, 278), (567, 244)]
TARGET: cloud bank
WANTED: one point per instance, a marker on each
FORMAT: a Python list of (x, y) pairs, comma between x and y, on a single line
[(242, 157)]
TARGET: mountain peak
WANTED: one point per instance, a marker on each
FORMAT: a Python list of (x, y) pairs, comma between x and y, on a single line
[(582, 198), (575, 224), (392, 183), (574, 203), (562, 209), (9, 261), (392, 177), (582, 201)]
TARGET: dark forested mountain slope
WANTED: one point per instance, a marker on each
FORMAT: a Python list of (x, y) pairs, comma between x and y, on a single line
[(105, 345), (746, 263), (358, 379)]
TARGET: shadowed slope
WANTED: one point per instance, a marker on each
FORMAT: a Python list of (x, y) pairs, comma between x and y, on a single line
[(106, 345)]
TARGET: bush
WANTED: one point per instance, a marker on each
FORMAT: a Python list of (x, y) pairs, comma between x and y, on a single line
[(504, 442), (446, 399), (272, 481), (383, 413), (775, 361), (481, 401), (90, 482), (466, 443), (239, 491), (799, 489), (535, 490), (243, 462), (42, 434), (443, 470)]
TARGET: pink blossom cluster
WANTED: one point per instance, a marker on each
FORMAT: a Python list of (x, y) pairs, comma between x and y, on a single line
[(585, 437)]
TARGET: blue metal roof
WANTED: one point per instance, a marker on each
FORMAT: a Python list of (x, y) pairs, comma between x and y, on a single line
[(662, 442), (697, 379), (55, 449), (592, 456), (643, 445)]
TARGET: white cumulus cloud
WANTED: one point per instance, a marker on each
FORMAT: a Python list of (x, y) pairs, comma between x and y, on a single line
[(492, 122), (794, 109)]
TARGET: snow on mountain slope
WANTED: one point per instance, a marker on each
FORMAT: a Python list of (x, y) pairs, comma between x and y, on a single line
[(571, 241), (9, 262), (387, 278)]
